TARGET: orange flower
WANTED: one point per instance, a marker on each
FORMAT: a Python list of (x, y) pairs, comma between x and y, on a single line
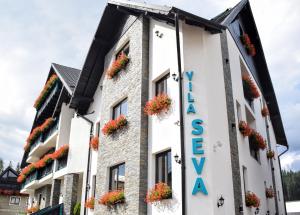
[(119, 64), (249, 86), (159, 103), (59, 153), (94, 143), (252, 200), (90, 203), (265, 111), (46, 91), (159, 192), (46, 125), (257, 140), (113, 125), (245, 39), (112, 198), (33, 209), (245, 129), (270, 193)]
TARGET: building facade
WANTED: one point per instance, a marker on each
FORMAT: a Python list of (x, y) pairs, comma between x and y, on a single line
[(170, 114), (12, 202)]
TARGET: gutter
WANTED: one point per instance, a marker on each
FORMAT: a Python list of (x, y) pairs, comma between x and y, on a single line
[(181, 103), (87, 186), (287, 148)]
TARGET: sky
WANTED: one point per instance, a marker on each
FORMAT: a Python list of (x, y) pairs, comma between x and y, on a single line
[(35, 33)]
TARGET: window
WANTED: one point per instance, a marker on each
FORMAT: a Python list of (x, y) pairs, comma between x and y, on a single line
[(164, 168), (117, 177), (124, 49), (14, 200), (94, 185), (245, 177), (97, 129), (120, 109), (161, 85), (40, 199), (238, 110)]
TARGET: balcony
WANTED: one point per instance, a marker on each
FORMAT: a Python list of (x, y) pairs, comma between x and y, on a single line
[(43, 143), (60, 170)]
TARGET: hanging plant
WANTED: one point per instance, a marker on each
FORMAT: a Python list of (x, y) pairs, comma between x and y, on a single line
[(245, 129), (33, 209), (270, 154), (252, 200), (250, 89), (270, 193), (158, 104), (257, 140), (47, 124), (113, 125), (94, 143), (112, 198), (90, 203), (46, 91), (119, 64), (160, 192), (61, 152), (36, 132), (264, 111), (248, 44)]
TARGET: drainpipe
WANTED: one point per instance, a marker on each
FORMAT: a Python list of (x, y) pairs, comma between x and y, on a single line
[(87, 186), (287, 148), (181, 104)]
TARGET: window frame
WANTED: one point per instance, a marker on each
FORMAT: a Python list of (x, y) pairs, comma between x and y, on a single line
[(111, 169), (119, 104), (157, 156), (15, 198), (163, 79), (125, 48)]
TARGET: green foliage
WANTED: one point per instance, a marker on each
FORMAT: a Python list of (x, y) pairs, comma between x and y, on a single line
[(1, 165), (291, 185), (76, 209)]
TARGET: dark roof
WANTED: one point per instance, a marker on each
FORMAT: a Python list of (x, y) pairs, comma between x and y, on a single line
[(69, 76), (113, 16), (8, 180)]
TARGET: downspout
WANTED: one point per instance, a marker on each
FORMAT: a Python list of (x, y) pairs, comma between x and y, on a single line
[(87, 186), (287, 148), (181, 104)]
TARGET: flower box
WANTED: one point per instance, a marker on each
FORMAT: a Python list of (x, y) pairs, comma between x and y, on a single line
[(33, 209), (270, 193), (245, 129), (250, 90), (248, 44), (94, 143), (46, 91), (160, 192), (257, 141), (252, 200), (270, 154), (90, 203), (119, 64), (158, 104), (112, 198), (61, 152), (264, 111), (113, 125)]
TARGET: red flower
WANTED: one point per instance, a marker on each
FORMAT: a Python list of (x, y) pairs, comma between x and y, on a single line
[(270, 193), (112, 198), (32, 137), (159, 103), (62, 151), (252, 200), (245, 129), (251, 50), (90, 203), (258, 140), (159, 192), (113, 125), (94, 143), (245, 39), (247, 43), (250, 86), (46, 91), (264, 111), (119, 64), (46, 125)]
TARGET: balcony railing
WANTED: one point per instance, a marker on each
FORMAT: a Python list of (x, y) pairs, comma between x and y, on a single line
[(62, 163), (36, 142), (33, 176), (54, 94), (45, 171), (55, 210)]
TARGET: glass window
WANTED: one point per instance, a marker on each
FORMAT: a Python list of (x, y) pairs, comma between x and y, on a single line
[(14, 200), (117, 177), (124, 49), (94, 185), (98, 129), (120, 109), (164, 168), (161, 85)]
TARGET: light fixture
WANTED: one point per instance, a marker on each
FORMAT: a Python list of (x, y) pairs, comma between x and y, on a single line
[(268, 212), (220, 201), (158, 34), (256, 211), (177, 159), (175, 77)]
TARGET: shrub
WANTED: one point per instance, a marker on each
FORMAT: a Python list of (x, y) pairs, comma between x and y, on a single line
[(76, 209), (119, 64), (112, 198), (252, 200), (159, 103), (159, 192)]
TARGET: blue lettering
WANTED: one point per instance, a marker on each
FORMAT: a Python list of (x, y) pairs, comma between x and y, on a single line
[(191, 109), (190, 98), (198, 167), (199, 187), (189, 75), (197, 143), (196, 123), (190, 87)]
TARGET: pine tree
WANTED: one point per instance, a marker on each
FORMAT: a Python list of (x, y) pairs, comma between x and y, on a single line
[(18, 168), (1, 165)]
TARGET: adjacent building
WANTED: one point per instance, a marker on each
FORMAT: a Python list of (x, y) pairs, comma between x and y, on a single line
[(171, 114)]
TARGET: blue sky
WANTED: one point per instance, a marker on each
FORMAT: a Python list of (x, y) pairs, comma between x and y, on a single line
[(36, 33)]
